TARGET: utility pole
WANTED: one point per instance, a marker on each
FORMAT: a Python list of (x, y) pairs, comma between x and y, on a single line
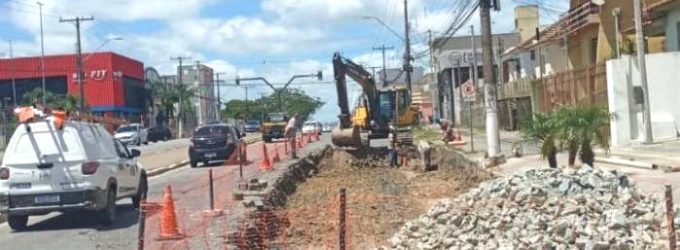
[(433, 97), (219, 97), (407, 53), (79, 57), (201, 87), (474, 55), (499, 65), (42, 58), (384, 67), (639, 37), (11, 69), (246, 87), (492, 133), (179, 104), (617, 14)]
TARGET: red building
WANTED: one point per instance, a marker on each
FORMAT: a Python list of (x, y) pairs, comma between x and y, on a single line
[(114, 84)]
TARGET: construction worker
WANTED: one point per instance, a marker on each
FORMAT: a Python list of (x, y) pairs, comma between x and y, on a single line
[(392, 146), (447, 132), (290, 133)]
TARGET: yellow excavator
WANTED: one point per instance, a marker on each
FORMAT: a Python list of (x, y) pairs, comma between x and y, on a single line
[(378, 108)]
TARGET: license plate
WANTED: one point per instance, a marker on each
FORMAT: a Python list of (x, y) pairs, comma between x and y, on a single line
[(47, 199), (210, 155)]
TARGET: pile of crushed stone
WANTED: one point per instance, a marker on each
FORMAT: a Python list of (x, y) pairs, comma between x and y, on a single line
[(542, 209)]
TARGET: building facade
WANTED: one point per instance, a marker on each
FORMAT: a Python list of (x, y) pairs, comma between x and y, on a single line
[(113, 84), (200, 78)]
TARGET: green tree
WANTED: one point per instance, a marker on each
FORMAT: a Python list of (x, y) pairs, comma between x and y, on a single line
[(292, 101), (66, 101), (590, 128)]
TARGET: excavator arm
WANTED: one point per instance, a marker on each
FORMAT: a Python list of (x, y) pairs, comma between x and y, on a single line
[(346, 135)]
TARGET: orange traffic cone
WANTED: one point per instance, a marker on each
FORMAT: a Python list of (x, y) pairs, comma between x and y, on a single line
[(276, 157), (265, 164), (169, 229), (458, 138)]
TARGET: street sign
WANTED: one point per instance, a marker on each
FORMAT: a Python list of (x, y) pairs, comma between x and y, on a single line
[(469, 91)]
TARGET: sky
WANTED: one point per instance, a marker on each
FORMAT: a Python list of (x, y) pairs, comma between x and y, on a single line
[(275, 39)]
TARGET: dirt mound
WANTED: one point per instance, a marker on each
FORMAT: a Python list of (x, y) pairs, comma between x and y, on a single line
[(380, 199)]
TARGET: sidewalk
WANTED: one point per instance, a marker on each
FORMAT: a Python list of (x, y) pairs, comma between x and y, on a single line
[(649, 180)]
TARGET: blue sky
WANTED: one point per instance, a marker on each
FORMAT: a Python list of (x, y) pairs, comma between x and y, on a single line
[(271, 38)]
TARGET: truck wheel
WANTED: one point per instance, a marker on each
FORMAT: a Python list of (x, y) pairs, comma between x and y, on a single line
[(141, 192), (17, 222), (193, 164), (108, 214)]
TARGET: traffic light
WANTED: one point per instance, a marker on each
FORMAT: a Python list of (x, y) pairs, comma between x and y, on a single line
[(319, 75), (238, 80)]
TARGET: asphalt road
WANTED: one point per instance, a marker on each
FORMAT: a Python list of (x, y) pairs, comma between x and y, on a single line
[(78, 231)]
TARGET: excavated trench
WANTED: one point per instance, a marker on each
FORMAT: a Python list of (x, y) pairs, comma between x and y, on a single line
[(379, 199), (302, 208)]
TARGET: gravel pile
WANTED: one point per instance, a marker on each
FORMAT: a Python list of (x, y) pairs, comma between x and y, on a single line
[(542, 209)]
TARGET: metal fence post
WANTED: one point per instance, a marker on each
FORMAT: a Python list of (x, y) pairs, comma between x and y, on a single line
[(141, 228), (343, 225), (211, 190), (669, 217)]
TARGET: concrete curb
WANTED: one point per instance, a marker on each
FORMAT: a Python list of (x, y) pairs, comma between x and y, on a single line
[(159, 171), (627, 163), (173, 166)]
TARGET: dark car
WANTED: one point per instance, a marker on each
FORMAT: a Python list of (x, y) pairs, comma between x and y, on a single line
[(214, 142), (252, 126), (159, 134)]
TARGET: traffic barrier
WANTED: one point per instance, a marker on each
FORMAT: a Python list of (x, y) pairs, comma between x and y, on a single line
[(265, 164), (277, 157), (169, 229)]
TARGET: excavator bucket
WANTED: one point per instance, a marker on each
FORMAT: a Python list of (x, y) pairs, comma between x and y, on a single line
[(348, 137)]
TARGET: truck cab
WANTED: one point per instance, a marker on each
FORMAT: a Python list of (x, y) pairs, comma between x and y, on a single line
[(274, 126)]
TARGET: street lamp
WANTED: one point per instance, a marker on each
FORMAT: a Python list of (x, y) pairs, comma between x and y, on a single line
[(279, 91), (384, 25), (116, 38)]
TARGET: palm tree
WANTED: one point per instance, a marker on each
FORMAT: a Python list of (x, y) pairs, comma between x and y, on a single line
[(66, 101), (543, 127), (592, 122), (568, 119)]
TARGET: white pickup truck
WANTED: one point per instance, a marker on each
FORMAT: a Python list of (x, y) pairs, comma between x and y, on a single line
[(79, 167)]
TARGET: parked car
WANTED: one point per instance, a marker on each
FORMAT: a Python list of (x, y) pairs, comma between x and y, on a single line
[(327, 128), (79, 167), (252, 126), (132, 134), (159, 133), (215, 142), (311, 127)]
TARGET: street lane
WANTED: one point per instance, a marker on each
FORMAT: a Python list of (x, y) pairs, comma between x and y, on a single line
[(57, 231)]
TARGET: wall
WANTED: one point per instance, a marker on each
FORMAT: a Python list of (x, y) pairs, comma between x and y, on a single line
[(672, 39), (626, 121)]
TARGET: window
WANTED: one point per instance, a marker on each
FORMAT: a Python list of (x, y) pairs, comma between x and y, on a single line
[(212, 131), (121, 150)]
